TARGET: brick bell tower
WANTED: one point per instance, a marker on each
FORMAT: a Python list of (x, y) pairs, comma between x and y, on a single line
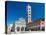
[(28, 15)]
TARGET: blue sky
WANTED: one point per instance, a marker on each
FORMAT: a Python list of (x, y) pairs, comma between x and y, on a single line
[(16, 10)]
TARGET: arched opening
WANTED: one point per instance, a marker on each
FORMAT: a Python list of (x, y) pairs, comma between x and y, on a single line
[(22, 29), (18, 28)]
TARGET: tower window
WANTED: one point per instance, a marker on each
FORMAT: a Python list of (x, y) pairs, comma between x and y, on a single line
[(29, 8), (29, 11), (18, 28), (29, 14)]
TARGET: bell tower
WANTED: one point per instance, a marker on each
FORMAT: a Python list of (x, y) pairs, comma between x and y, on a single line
[(28, 14)]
